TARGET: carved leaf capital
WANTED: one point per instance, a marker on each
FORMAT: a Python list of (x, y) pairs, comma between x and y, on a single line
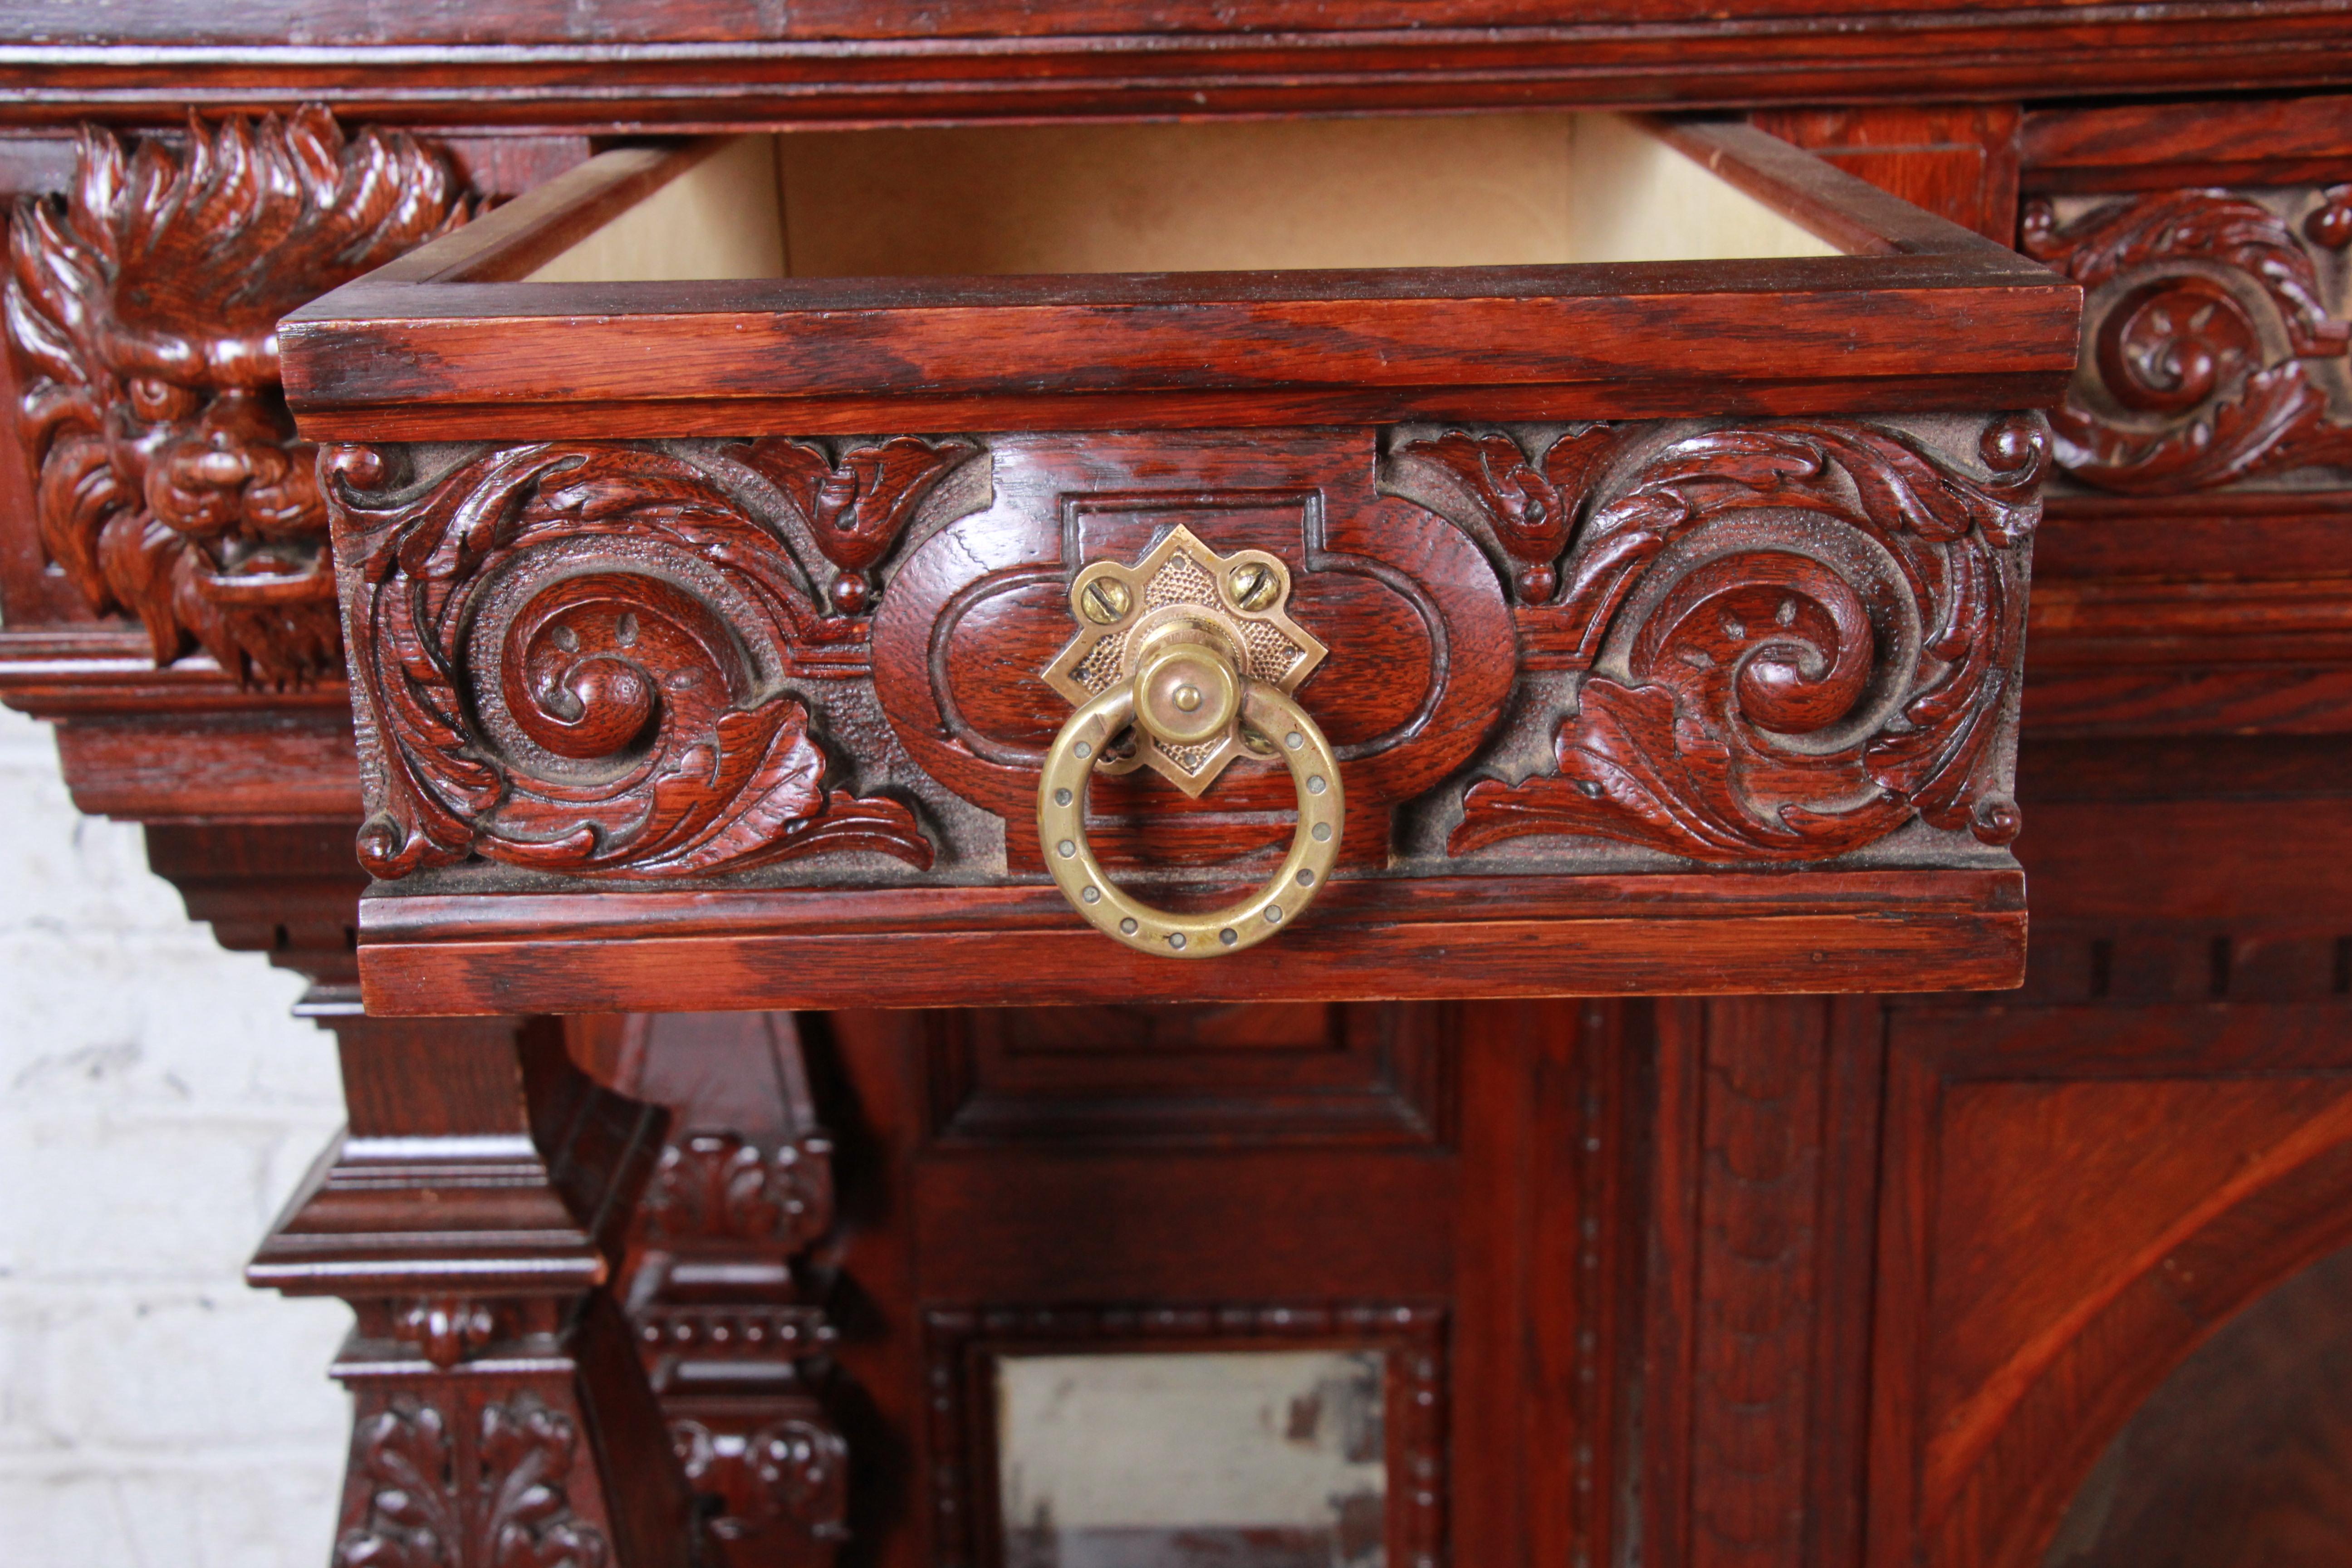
[(498, 1500)]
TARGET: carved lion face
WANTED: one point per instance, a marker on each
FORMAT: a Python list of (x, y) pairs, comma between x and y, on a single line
[(144, 308)]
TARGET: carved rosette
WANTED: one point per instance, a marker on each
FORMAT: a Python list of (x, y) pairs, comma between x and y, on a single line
[(499, 1502), (1796, 639), (143, 306), (574, 658), (2210, 336)]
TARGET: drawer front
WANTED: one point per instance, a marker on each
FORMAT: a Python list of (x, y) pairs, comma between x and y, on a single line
[(750, 696)]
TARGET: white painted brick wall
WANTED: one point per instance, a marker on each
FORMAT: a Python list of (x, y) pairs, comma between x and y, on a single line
[(156, 1106)]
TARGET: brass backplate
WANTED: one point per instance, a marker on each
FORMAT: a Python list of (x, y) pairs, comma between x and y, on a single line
[(1182, 588)]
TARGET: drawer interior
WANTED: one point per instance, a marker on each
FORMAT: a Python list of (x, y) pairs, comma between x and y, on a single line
[(1520, 190), (1510, 267)]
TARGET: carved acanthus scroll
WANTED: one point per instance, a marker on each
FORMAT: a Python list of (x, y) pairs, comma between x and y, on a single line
[(575, 658), (144, 308), (1798, 638), (2207, 322)]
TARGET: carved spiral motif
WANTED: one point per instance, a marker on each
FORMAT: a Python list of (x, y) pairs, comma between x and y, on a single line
[(575, 657), (584, 666), (1776, 639), (2171, 343), (1798, 637)]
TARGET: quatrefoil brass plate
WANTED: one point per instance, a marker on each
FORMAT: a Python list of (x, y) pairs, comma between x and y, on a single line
[(1182, 589)]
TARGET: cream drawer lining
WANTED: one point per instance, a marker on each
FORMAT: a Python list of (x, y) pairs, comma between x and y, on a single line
[(1431, 190)]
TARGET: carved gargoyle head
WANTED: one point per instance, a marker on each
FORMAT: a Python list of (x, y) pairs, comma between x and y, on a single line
[(143, 306)]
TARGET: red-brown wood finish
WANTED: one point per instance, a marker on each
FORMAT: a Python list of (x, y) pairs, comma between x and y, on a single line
[(1789, 641), (644, 65), (1724, 1280), (729, 1307)]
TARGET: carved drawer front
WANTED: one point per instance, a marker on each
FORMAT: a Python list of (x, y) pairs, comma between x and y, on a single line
[(1501, 556)]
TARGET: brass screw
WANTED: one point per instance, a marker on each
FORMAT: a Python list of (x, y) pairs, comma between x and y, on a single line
[(1104, 600), (1253, 585)]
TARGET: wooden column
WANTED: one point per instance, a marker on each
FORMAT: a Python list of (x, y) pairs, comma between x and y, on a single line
[(1755, 1334), (728, 1307), (473, 1213)]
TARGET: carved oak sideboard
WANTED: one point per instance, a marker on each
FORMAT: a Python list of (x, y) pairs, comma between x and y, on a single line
[(1568, 748)]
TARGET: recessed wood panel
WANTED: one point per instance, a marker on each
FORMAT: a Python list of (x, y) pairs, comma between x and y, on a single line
[(1238, 1073), (2243, 1457), (2074, 1197), (984, 1433)]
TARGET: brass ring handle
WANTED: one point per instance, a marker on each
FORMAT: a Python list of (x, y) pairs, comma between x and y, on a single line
[(1263, 709)]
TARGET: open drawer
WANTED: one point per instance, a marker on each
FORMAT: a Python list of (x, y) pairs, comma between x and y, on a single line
[(1502, 555)]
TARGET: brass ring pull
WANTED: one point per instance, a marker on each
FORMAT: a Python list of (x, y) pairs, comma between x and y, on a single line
[(1186, 693)]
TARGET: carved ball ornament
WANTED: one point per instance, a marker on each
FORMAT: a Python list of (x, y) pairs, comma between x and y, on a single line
[(143, 306)]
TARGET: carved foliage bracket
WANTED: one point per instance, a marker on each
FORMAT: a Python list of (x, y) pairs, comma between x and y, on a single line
[(855, 506), (144, 307), (497, 1498), (1797, 636), (1529, 508), (573, 658)]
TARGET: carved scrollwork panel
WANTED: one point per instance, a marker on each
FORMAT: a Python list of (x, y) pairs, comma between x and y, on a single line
[(1772, 642), (143, 306), (2213, 326), (1795, 638), (574, 658)]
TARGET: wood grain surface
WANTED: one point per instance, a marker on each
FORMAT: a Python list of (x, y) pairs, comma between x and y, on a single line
[(640, 65)]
